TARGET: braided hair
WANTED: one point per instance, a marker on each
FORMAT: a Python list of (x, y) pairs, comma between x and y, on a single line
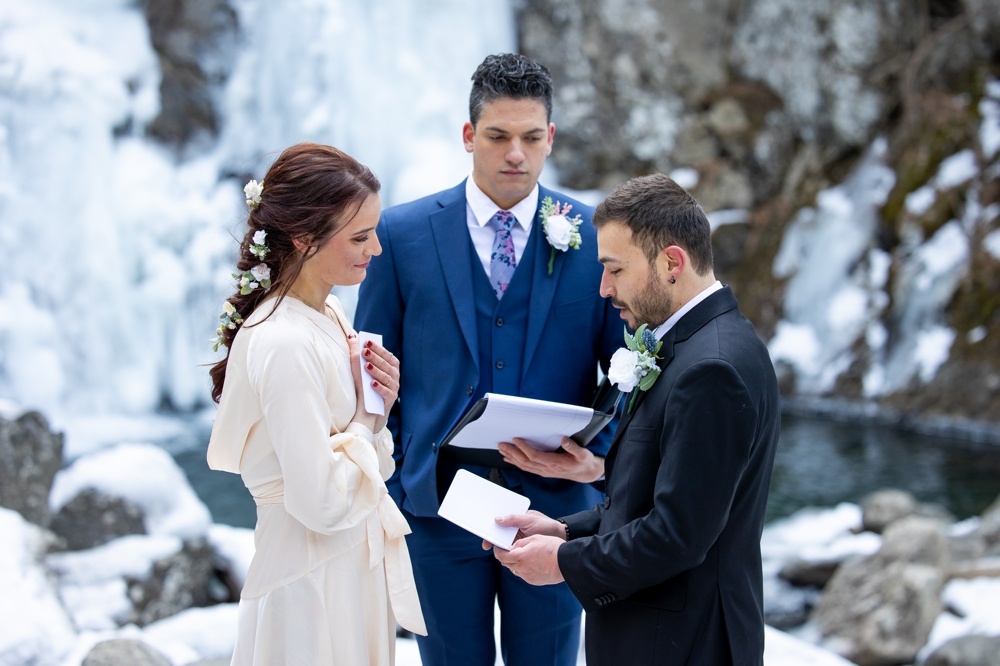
[(307, 195)]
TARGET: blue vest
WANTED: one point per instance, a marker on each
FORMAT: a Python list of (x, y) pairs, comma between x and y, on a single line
[(502, 325)]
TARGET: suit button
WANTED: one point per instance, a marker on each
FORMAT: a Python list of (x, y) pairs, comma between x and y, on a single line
[(607, 501), (499, 321), (499, 365), (468, 389), (434, 447)]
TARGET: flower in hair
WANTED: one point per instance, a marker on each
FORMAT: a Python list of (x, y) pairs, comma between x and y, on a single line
[(257, 247), (561, 231), (229, 319), (258, 276), (253, 190)]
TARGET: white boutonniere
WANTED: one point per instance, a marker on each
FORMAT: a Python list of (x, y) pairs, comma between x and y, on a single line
[(561, 231), (635, 364)]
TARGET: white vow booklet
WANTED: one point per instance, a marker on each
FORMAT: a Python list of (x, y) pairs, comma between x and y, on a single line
[(473, 503), (374, 404)]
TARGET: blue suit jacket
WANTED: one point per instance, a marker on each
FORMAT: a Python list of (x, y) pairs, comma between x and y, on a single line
[(419, 295)]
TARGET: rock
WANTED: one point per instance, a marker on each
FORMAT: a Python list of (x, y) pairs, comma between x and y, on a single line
[(195, 42), (967, 651), (124, 652), (884, 507), (185, 580), (808, 573), (879, 610), (93, 518), (30, 456)]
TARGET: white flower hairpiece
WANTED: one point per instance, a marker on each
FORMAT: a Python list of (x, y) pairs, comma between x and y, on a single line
[(562, 232), (229, 319), (257, 247), (258, 276), (253, 190), (635, 364)]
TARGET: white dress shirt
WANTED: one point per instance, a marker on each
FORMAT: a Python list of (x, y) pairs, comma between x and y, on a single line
[(480, 209)]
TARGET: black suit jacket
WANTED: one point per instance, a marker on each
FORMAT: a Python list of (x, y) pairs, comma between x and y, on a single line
[(668, 567)]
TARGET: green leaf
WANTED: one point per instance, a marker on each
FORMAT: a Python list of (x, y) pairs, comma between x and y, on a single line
[(649, 380)]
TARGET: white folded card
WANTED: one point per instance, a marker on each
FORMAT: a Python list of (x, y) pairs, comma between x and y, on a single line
[(473, 503), (374, 403)]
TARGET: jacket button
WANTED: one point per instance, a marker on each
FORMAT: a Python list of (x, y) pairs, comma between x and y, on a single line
[(499, 365), (468, 389), (607, 501), (499, 321)]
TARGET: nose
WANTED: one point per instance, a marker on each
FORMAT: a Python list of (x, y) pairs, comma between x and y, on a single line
[(375, 247), (607, 291), (516, 153)]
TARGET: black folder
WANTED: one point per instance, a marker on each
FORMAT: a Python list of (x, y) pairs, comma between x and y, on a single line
[(605, 406)]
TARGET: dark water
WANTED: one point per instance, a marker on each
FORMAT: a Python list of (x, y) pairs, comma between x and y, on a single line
[(818, 463)]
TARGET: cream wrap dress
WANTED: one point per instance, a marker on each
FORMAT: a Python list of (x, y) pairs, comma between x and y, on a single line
[(330, 575)]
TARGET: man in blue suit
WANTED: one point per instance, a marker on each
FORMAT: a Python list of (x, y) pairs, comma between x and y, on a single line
[(472, 296)]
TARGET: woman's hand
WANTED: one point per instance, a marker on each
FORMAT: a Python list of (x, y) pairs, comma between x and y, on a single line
[(384, 369)]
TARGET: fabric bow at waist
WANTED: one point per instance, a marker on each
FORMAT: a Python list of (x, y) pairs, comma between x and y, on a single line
[(386, 531)]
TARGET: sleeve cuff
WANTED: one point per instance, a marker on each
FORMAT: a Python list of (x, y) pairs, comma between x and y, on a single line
[(360, 430)]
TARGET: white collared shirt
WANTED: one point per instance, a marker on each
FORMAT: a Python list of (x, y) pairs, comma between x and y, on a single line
[(662, 329), (480, 209)]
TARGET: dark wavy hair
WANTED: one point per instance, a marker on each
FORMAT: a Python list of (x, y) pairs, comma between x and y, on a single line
[(660, 213), (310, 192), (508, 75)]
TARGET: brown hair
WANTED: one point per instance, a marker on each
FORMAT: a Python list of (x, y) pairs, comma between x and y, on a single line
[(660, 213), (310, 192)]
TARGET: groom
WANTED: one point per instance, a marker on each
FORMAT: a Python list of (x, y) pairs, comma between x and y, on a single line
[(668, 566), (472, 297)]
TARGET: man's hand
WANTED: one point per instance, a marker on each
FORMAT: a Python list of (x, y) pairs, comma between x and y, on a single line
[(533, 559), (576, 464)]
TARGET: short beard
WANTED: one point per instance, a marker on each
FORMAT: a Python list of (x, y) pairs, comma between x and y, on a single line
[(654, 304)]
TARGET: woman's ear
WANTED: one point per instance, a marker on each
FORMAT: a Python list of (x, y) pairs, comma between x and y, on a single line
[(300, 245)]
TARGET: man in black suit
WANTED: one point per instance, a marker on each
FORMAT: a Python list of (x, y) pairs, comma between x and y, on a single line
[(668, 566)]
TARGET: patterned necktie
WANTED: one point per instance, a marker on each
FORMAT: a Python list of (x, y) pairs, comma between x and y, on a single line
[(502, 260)]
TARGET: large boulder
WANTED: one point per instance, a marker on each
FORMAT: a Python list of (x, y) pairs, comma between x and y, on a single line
[(879, 610), (93, 518), (30, 456), (124, 652)]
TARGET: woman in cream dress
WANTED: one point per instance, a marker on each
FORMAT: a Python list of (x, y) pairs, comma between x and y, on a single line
[(330, 576)]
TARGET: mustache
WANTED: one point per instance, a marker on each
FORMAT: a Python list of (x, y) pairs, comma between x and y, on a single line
[(619, 304)]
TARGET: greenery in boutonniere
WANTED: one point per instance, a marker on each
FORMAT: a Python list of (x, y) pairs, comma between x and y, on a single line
[(562, 232), (635, 364)]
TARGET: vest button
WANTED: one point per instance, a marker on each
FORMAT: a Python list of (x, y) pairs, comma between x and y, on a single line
[(468, 389), (499, 321), (499, 365)]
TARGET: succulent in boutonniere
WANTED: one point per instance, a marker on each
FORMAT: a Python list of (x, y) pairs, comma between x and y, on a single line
[(561, 231), (635, 364)]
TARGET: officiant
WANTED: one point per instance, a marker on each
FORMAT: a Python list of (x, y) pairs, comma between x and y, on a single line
[(491, 286)]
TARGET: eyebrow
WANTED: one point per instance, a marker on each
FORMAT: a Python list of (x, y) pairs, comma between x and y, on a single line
[(536, 130)]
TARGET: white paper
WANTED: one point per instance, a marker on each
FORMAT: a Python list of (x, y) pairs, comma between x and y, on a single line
[(540, 422), (473, 503), (374, 403)]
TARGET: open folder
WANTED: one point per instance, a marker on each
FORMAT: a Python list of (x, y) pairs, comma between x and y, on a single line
[(496, 418)]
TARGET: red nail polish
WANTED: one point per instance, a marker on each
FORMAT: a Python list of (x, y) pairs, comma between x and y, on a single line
[(368, 344), (368, 352), (374, 384), (369, 366)]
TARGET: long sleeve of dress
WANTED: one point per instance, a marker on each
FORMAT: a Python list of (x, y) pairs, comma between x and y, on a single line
[(325, 486)]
